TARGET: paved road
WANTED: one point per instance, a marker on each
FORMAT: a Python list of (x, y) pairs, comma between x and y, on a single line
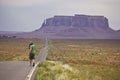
[(18, 70), (42, 55), (14, 70)]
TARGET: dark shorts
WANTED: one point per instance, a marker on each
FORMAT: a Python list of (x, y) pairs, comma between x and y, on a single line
[(31, 56)]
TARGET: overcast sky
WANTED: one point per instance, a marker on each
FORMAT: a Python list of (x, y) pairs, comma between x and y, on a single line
[(28, 15)]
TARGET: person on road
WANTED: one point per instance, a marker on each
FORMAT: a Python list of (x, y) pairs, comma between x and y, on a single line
[(32, 53)]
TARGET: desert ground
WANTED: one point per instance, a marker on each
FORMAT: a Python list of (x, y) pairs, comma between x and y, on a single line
[(68, 59), (16, 49), (81, 60)]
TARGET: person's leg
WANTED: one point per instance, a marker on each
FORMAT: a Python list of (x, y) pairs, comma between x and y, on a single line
[(31, 58), (33, 62), (30, 62)]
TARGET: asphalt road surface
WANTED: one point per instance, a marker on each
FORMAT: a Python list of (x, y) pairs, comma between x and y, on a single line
[(18, 70), (14, 70)]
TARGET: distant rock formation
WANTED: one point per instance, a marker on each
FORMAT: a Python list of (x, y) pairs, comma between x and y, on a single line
[(78, 27), (77, 21)]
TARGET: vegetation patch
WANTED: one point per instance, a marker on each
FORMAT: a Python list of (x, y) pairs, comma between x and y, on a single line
[(52, 70), (93, 59), (17, 48)]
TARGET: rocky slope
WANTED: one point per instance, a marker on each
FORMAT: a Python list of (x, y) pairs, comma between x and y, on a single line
[(78, 26)]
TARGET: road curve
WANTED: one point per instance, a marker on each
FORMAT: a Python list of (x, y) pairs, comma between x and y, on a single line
[(19, 70)]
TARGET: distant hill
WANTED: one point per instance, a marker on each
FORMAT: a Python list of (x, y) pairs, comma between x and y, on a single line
[(75, 27), (8, 34)]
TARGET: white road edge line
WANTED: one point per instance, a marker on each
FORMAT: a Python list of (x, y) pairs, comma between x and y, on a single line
[(28, 77)]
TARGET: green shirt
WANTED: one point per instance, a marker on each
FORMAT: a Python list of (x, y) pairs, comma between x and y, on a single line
[(32, 47)]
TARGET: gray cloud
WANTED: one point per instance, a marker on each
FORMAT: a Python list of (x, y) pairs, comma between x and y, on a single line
[(23, 3), (28, 15)]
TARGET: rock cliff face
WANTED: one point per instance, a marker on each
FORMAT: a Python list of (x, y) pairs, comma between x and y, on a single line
[(77, 21), (78, 26)]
